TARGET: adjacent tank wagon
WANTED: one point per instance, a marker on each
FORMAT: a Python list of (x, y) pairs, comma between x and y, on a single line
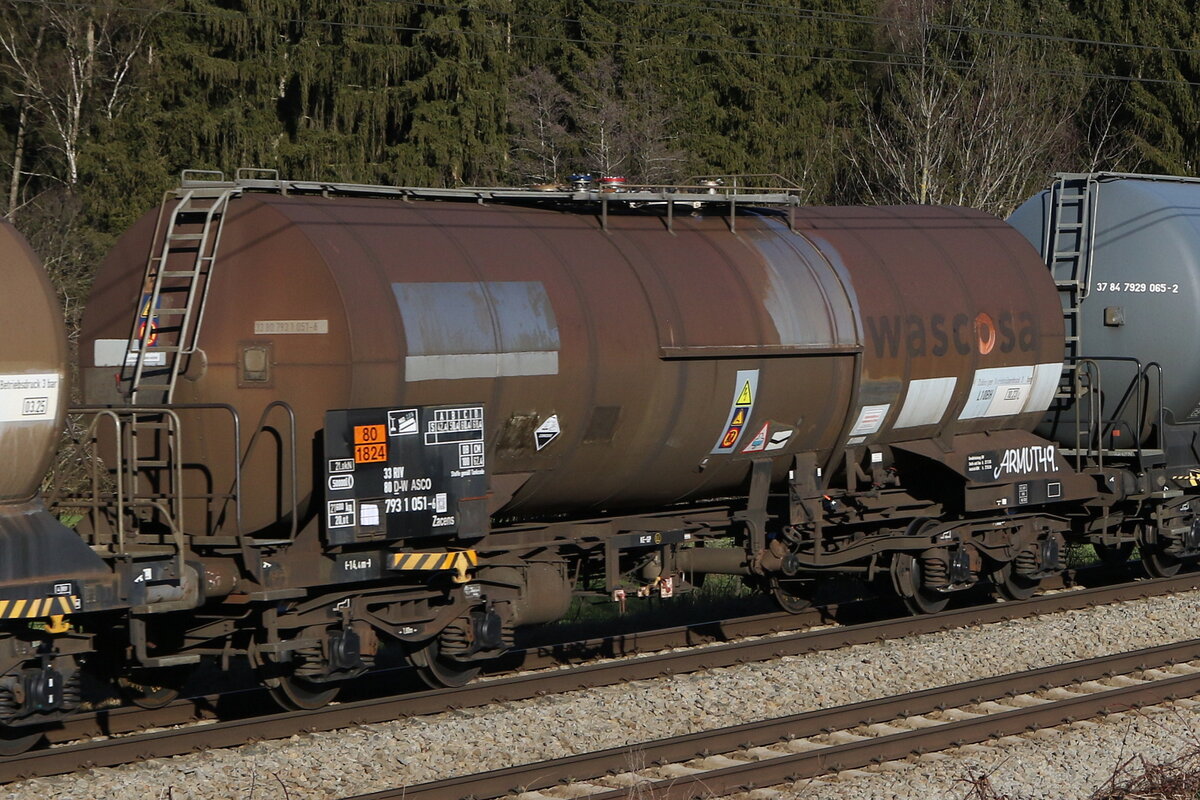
[(1124, 251), (1139, 266), (46, 571)]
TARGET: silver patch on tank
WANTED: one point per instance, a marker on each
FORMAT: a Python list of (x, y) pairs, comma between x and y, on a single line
[(480, 365), (476, 329), (926, 402), (805, 296)]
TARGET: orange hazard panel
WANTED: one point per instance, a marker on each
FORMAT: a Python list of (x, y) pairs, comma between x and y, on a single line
[(370, 434), (370, 443)]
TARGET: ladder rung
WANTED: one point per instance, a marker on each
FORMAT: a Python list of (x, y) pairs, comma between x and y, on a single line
[(140, 463), (1067, 254), (187, 237), (209, 194), (169, 312), (180, 273), (163, 348)]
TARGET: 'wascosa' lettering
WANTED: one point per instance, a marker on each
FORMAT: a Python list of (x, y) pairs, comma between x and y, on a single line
[(916, 336)]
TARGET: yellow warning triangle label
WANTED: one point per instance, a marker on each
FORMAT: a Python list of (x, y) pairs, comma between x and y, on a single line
[(745, 398), (739, 418)]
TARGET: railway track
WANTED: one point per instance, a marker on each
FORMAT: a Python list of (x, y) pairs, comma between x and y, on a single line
[(129, 719), (786, 749), (118, 749)]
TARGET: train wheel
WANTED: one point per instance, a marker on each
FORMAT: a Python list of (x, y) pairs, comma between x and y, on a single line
[(1159, 564), (907, 578), (18, 740), (439, 672), (1113, 555), (298, 694), (1011, 586), (793, 596), (1156, 562)]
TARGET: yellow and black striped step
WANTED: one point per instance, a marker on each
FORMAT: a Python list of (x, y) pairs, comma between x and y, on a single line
[(460, 561), (37, 607)]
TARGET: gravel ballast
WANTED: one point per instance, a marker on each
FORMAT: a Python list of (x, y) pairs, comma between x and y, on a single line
[(1067, 763), (340, 763)]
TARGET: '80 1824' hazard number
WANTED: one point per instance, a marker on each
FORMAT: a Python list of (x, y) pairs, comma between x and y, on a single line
[(370, 444)]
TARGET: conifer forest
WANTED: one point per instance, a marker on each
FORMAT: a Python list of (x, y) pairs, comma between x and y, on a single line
[(856, 101)]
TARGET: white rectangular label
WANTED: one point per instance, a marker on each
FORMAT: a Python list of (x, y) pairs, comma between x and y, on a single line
[(1045, 385), (340, 513), (998, 392), (341, 483), (926, 402), (118, 352), (275, 327), (870, 419), (368, 514), (29, 397)]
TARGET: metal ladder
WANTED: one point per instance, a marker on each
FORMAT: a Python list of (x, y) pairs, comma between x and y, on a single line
[(175, 289), (1068, 248), (166, 329)]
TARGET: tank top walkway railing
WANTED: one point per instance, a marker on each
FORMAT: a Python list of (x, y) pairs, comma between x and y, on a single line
[(719, 193)]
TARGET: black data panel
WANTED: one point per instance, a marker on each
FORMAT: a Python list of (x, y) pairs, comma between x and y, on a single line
[(397, 473)]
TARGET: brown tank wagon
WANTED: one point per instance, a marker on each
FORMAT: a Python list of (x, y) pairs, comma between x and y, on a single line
[(337, 416), (629, 348)]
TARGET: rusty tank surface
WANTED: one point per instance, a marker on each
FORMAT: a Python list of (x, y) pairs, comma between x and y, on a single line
[(622, 365)]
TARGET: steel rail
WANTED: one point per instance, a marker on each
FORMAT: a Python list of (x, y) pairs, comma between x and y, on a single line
[(128, 719), (165, 743), (131, 719), (795, 766)]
